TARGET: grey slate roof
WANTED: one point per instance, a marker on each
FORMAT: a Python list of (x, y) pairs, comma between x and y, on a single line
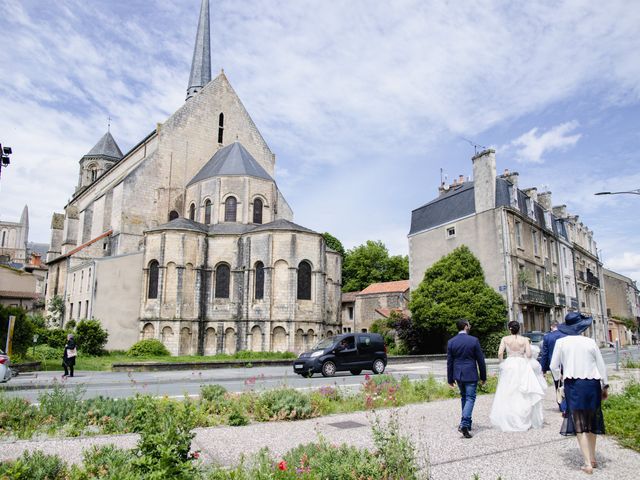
[(459, 202), (230, 228), (181, 224), (281, 224), (201, 62), (233, 159), (106, 147)]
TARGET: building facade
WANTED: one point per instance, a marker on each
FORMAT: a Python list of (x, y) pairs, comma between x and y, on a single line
[(623, 303), (525, 246), (193, 212), (361, 309), (13, 240)]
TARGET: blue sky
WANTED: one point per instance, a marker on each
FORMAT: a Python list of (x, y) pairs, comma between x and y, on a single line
[(362, 101)]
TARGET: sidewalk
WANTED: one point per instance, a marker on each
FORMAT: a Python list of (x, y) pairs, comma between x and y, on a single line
[(536, 454)]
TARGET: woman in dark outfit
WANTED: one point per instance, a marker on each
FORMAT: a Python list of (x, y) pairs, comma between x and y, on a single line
[(585, 385), (69, 356)]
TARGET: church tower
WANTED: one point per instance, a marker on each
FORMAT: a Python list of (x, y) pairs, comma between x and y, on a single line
[(201, 63), (100, 158)]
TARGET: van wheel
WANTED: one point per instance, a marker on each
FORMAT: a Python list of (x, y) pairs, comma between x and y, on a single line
[(378, 366), (328, 369), (355, 371)]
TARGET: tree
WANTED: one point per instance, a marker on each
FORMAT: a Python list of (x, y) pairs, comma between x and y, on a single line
[(333, 243), (91, 337), (454, 288), (22, 331), (371, 263), (55, 312)]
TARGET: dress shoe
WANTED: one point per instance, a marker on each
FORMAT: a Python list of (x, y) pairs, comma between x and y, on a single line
[(465, 432)]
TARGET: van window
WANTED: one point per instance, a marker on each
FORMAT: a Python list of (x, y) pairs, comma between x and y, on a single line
[(364, 340)]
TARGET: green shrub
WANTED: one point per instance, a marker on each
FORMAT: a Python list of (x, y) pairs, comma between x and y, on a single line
[(212, 393), (622, 416), (22, 331), (34, 466), (91, 337), (491, 342), (17, 417), (283, 404), (165, 443), (237, 416), (107, 463), (149, 347), (54, 337), (60, 403), (45, 352)]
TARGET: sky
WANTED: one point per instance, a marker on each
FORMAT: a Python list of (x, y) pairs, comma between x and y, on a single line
[(362, 101)]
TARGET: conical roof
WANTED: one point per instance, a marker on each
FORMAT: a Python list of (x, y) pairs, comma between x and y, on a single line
[(232, 160), (106, 147), (201, 62)]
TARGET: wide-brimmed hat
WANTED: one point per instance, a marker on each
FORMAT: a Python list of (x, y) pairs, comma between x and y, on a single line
[(575, 323)]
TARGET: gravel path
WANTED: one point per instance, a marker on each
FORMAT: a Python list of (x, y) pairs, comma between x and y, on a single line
[(491, 454)]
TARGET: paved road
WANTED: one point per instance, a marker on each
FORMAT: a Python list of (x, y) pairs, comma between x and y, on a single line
[(179, 383)]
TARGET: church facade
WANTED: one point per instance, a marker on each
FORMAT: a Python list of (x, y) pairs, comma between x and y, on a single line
[(187, 238)]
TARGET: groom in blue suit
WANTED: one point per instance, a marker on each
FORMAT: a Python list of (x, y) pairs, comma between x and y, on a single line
[(464, 359)]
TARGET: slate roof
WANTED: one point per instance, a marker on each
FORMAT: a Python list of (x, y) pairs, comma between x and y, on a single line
[(459, 202), (230, 228), (232, 160), (281, 224), (386, 287), (181, 223), (106, 147)]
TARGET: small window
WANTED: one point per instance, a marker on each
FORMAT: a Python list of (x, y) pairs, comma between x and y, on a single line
[(223, 278), (519, 234), (259, 294), (534, 236), (364, 330), (304, 281), (173, 215), (220, 127), (230, 209), (451, 232), (350, 313), (207, 212), (154, 270), (257, 211), (192, 211)]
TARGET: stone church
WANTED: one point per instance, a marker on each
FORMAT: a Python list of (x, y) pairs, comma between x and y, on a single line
[(188, 239)]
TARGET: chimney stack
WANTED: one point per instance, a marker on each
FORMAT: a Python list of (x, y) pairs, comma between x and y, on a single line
[(560, 211), (532, 193), (484, 180), (544, 199)]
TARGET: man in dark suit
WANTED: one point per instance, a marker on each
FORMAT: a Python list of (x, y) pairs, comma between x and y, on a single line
[(546, 352), (464, 358)]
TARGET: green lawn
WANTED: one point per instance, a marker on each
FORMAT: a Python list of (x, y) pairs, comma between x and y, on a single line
[(104, 362)]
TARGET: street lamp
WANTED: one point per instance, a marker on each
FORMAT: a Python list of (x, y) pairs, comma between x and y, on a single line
[(4, 157), (632, 192)]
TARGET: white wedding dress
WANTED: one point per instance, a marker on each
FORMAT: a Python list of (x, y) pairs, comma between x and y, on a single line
[(517, 405)]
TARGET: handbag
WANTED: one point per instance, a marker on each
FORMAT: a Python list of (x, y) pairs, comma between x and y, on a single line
[(72, 352), (560, 391)]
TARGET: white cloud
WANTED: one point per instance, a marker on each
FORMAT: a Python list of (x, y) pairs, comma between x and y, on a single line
[(531, 147), (625, 263)]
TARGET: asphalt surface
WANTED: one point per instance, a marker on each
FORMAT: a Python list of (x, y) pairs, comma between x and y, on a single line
[(491, 454)]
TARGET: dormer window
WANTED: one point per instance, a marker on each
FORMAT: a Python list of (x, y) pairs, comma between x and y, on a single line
[(220, 127)]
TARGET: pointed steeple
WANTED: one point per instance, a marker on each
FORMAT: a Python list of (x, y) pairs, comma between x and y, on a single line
[(201, 63), (106, 147)]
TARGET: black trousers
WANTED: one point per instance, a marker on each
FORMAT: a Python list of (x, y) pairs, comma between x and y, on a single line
[(67, 368)]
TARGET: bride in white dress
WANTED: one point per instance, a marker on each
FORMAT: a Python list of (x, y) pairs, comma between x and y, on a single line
[(517, 405)]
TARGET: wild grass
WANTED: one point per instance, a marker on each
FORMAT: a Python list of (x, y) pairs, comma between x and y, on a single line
[(622, 416)]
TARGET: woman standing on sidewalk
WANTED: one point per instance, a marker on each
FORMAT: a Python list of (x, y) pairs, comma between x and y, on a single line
[(585, 385), (69, 356)]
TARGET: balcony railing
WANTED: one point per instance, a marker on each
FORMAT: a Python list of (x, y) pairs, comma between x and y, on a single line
[(539, 297), (592, 279), (561, 299)]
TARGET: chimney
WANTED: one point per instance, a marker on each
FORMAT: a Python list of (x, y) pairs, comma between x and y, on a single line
[(443, 188), (484, 180), (560, 211), (511, 177), (544, 198), (460, 179)]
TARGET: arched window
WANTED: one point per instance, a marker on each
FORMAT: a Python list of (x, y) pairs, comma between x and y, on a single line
[(154, 270), (259, 281), (223, 278), (207, 211), (4, 236), (230, 207), (173, 215), (304, 281), (257, 211), (220, 127), (192, 212), (93, 173)]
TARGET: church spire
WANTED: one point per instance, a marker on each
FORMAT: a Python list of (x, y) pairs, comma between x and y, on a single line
[(201, 63)]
